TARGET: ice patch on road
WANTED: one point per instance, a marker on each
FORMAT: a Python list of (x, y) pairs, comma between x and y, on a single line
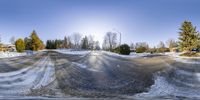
[(85, 67), (79, 65)]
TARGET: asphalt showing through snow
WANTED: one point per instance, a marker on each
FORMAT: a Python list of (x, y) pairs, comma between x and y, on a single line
[(98, 75)]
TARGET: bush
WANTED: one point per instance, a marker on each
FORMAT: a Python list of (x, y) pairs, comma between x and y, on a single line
[(20, 46), (141, 49), (123, 49)]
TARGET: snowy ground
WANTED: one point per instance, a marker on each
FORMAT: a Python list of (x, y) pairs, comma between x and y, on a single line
[(16, 54), (72, 52), (173, 55), (10, 54), (132, 54), (189, 60)]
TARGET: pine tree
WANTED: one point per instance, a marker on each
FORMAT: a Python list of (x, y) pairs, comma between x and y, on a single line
[(20, 46), (35, 41), (65, 43), (189, 37), (27, 42), (85, 43)]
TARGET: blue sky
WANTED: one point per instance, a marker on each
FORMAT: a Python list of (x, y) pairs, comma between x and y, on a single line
[(138, 20)]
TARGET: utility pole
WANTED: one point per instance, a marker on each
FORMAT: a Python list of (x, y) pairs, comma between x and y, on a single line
[(0, 38)]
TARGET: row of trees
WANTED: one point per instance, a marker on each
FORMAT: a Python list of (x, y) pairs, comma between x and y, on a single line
[(141, 47), (75, 41), (33, 43), (189, 40)]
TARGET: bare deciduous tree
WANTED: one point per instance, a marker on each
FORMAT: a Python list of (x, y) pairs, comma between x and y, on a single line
[(110, 40), (76, 39), (171, 43), (12, 40), (161, 47), (91, 42)]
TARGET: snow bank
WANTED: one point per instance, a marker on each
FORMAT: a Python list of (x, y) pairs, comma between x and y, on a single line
[(178, 87), (177, 57), (10, 54), (132, 55), (72, 52), (16, 54)]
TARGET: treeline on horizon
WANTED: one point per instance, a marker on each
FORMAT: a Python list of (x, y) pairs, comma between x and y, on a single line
[(189, 40), (75, 41)]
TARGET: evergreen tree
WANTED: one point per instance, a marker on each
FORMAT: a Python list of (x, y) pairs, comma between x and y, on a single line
[(53, 44), (35, 41), (189, 37), (20, 46), (65, 43), (85, 43), (27, 42)]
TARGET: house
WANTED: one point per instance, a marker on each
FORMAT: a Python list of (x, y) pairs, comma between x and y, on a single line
[(7, 47)]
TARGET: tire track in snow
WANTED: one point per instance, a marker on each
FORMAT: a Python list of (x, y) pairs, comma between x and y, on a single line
[(22, 81)]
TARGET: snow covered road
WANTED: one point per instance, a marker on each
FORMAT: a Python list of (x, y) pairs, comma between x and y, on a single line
[(98, 74), (20, 82)]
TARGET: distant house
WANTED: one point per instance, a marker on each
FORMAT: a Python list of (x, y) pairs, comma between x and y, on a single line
[(175, 49), (7, 47), (132, 49)]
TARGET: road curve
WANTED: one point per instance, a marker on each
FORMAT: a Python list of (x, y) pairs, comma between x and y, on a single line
[(99, 75)]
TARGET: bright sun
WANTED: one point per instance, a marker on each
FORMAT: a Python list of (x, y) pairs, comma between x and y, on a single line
[(95, 27)]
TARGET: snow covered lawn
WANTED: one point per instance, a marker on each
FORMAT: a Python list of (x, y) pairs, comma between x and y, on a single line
[(11, 54), (16, 54), (189, 60), (132, 54)]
